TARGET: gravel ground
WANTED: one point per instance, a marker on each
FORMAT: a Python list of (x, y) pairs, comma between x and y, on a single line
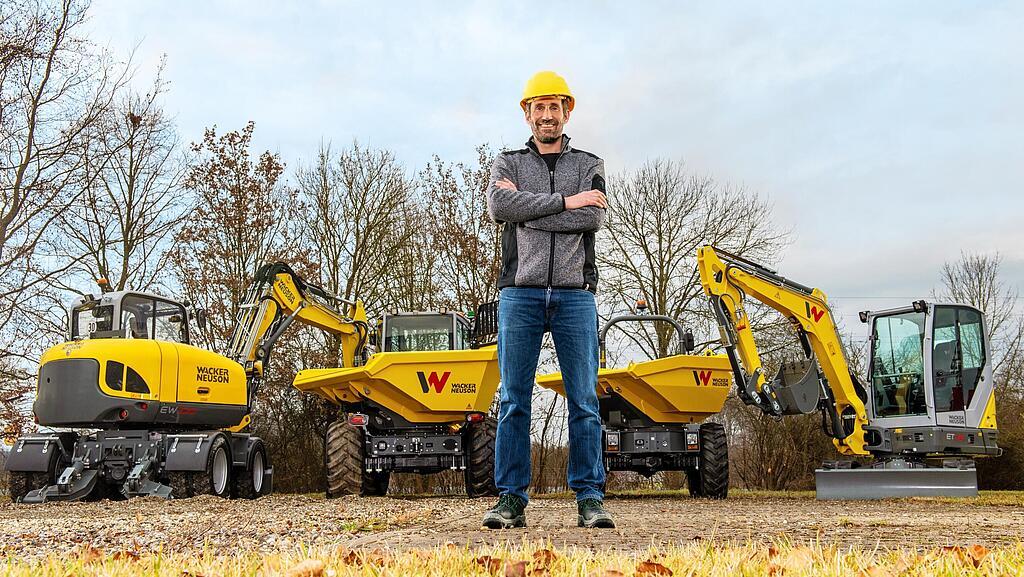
[(280, 521)]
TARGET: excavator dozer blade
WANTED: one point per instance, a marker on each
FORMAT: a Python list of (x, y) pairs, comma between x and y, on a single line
[(880, 482)]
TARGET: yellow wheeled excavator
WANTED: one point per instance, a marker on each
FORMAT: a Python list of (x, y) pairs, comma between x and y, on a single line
[(928, 406), (170, 415)]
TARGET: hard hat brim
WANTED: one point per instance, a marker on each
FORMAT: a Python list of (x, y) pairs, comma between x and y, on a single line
[(526, 101)]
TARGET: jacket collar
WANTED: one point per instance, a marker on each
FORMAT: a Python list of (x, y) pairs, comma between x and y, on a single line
[(565, 144)]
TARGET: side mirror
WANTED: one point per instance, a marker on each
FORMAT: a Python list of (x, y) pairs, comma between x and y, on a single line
[(688, 341), (200, 315)]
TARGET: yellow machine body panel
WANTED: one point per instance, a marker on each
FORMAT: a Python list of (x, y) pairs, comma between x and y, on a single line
[(676, 389), (423, 387), (115, 382)]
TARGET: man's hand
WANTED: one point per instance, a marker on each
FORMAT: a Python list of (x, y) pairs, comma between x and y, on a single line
[(505, 184), (586, 198)]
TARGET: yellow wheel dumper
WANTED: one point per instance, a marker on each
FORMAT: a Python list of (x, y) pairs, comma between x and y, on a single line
[(654, 412), (419, 405)]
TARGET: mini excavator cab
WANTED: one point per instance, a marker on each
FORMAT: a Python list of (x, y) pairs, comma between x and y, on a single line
[(929, 367)]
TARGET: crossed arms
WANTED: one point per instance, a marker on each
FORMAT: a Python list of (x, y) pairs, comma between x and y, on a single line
[(578, 213)]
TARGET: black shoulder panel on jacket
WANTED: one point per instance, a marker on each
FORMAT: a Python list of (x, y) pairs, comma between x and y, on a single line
[(590, 154)]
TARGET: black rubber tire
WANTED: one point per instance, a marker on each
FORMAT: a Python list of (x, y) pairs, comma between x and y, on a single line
[(343, 459), (245, 479), (180, 483), (20, 483), (376, 484), (711, 479), (479, 442), (185, 484)]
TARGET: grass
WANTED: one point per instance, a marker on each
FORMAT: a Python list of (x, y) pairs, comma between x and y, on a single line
[(537, 559)]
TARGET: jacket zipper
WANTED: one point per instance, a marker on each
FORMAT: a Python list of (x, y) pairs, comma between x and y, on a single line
[(551, 258)]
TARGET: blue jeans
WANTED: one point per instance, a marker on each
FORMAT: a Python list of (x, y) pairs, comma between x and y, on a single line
[(524, 315)]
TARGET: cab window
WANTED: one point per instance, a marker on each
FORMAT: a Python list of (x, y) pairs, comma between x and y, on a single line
[(148, 318), (90, 318), (136, 315), (170, 322), (958, 357), (897, 365), (419, 333)]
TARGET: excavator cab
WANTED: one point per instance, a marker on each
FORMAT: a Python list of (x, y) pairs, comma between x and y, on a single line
[(930, 367), (128, 315)]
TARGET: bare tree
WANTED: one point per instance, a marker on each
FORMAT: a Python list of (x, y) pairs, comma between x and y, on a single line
[(243, 219), (467, 242), (131, 209), (975, 280), (357, 201), (414, 284), (658, 216), (54, 89)]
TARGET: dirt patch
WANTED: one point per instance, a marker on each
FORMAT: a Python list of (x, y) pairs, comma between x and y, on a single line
[(281, 521)]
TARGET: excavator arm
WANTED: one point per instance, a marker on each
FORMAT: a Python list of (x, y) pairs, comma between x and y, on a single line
[(278, 297), (820, 381)]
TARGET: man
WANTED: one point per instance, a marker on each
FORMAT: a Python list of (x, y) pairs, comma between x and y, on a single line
[(550, 198)]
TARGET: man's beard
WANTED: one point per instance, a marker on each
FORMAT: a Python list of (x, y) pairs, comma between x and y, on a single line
[(547, 137)]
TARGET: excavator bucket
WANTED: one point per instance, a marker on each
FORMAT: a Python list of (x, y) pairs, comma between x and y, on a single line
[(895, 478), (798, 387), (422, 387)]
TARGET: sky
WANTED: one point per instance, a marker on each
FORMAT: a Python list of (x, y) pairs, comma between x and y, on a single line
[(886, 134)]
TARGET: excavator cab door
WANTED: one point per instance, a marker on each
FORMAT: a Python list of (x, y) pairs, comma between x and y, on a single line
[(960, 371), (898, 394)]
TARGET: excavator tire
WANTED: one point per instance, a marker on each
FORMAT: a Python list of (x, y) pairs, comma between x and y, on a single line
[(343, 461), (711, 479), (480, 439), (214, 480), (251, 482), (19, 484)]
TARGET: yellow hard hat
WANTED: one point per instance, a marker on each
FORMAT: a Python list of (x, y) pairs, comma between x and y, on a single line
[(546, 83)]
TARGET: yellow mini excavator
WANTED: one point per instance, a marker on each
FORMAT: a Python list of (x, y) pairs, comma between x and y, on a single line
[(169, 415), (928, 407)]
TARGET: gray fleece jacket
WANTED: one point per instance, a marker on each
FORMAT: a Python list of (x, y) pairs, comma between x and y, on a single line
[(543, 244)]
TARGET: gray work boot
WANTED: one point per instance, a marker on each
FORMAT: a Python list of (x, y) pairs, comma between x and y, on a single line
[(508, 513), (592, 514)]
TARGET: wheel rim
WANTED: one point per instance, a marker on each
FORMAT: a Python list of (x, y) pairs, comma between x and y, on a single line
[(220, 472), (257, 472)]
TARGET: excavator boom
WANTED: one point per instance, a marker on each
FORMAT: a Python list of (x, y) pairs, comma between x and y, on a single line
[(820, 381)]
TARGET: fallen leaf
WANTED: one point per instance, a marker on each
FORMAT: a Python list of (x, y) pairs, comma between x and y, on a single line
[(774, 569), (875, 571), (608, 573), (88, 554), (126, 555), (352, 558), (492, 564), (544, 558), (977, 553), (515, 569), (652, 568), (308, 568)]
